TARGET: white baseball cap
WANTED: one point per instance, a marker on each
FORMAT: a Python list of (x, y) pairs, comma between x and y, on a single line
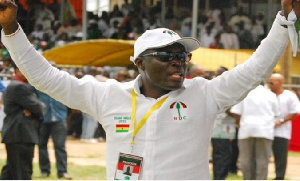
[(161, 37)]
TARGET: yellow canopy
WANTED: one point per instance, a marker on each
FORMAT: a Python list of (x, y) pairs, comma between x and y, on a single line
[(92, 53), (108, 52), (211, 59)]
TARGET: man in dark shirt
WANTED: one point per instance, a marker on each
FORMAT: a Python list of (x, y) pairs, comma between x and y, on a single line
[(20, 128)]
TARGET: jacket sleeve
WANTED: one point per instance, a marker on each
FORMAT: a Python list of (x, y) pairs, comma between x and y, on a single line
[(25, 98), (232, 86), (84, 95)]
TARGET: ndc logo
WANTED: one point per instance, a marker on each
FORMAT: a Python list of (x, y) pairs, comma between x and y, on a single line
[(178, 111), (170, 32)]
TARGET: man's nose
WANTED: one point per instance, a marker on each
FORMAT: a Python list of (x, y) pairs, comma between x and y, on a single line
[(178, 62)]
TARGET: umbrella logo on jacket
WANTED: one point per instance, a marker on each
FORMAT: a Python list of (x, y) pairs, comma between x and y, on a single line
[(179, 112)]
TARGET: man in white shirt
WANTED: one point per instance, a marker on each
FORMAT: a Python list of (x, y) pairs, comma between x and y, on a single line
[(289, 107), (159, 124), (257, 119)]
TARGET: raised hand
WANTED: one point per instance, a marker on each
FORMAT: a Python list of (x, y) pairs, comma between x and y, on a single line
[(296, 7), (8, 16), (27, 113), (288, 5)]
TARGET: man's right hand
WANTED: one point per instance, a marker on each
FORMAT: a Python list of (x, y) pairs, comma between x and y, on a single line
[(26, 113), (8, 16)]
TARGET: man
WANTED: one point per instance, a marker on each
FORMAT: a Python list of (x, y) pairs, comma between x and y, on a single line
[(54, 125), (257, 114), (289, 107), (197, 71), (159, 123), (222, 136), (20, 128)]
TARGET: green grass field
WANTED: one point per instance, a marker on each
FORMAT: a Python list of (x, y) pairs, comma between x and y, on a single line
[(78, 172), (91, 172)]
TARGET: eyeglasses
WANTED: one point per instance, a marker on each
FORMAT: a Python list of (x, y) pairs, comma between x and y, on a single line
[(270, 83), (169, 56)]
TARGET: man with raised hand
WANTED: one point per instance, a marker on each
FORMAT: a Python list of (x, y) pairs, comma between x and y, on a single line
[(160, 124)]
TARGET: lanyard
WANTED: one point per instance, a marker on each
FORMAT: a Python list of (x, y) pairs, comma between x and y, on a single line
[(145, 117)]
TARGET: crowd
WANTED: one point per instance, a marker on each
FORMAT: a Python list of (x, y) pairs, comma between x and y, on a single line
[(259, 124), (216, 28)]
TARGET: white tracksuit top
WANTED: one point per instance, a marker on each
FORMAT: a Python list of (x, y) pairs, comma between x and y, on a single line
[(175, 139)]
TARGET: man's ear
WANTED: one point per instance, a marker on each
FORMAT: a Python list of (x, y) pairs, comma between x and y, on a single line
[(140, 63)]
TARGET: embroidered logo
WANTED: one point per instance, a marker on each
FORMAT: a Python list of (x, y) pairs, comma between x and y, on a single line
[(178, 111), (122, 123), (122, 128), (170, 32)]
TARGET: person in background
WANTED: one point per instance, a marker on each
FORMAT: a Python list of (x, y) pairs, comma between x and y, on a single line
[(197, 71), (54, 125), (234, 145), (289, 107), (257, 113), (20, 130), (2, 114), (222, 136)]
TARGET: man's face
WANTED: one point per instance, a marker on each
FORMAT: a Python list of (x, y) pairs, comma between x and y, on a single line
[(274, 84), (164, 75)]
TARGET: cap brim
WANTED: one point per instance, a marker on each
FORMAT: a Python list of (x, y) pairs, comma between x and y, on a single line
[(189, 43)]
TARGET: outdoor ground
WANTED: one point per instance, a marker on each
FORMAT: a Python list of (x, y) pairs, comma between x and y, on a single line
[(91, 156)]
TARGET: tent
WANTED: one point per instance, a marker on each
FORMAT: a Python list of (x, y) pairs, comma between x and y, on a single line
[(92, 53), (117, 52)]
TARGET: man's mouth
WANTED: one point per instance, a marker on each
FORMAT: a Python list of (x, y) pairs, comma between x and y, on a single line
[(176, 75)]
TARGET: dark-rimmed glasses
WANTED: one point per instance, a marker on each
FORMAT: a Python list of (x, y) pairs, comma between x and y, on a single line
[(169, 56)]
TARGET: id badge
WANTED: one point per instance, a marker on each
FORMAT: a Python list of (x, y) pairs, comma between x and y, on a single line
[(129, 167)]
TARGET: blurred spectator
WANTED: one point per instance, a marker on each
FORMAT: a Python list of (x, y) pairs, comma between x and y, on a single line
[(93, 32), (20, 128), (72, 29), (197, 71), (125, 26), (114, 30), (216, 44), (103, 24), (289, 108), (69, 12), (215, 16), (239, 16), (45, 43), (137, 27), (203, 20), (74, 122), (38, 33), (5, 68), (186, 25), (257, 113), (45, 17), (74, 119), (244, 36), (229, 39), (116, 12), (63, 39), (258, 30), (208, 37), (126, 8), (122, 76), (223, 134), (2, 114), (153, 23), (54, 125)]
